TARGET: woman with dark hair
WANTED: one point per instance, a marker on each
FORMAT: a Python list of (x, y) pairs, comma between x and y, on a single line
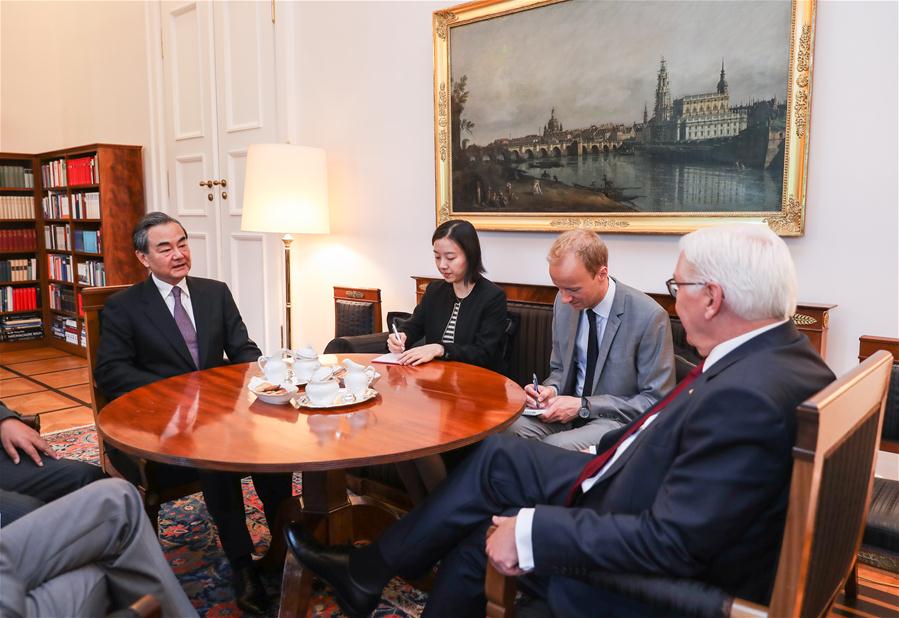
[(461, 318)]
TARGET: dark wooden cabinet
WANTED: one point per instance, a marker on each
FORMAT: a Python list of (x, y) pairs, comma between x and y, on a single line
[(82, 220)]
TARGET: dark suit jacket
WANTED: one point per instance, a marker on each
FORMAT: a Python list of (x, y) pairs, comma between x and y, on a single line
[(702, 493), (140, 342), (480, 324)]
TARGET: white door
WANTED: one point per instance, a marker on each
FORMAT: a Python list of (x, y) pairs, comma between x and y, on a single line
[(220, 93)]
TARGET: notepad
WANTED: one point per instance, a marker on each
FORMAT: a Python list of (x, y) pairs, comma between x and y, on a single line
[(533, 411), (388, 359)]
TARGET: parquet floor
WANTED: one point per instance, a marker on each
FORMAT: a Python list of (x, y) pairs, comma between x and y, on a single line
[(48, 382), (54, 384)]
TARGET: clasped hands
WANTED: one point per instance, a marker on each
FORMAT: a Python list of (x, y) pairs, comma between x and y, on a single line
[(556, 408), (502, 552), (414, 356)]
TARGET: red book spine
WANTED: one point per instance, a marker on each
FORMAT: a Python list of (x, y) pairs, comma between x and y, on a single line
[(33, 297)]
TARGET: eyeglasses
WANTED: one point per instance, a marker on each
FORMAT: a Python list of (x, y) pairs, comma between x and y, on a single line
[(673, 285)]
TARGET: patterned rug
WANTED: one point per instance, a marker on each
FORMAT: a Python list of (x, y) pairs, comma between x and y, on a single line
[(191, 546)]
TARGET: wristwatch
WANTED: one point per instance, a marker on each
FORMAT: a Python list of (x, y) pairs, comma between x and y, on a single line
[(584, 412)]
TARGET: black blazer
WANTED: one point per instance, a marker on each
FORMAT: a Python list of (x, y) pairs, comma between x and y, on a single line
[(140, 342), (703, 491), (480, 324)]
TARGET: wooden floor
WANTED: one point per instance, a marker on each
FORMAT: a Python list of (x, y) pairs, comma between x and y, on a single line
[(48, 382), (54, 384)]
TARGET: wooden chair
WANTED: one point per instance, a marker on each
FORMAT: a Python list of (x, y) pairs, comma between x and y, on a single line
[(153, 490), (357, 311), (837, 437), (880, 543)]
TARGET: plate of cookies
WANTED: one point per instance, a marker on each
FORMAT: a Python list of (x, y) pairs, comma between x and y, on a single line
[(276, 394)]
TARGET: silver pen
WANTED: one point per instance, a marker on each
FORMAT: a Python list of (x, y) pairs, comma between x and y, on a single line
[(396, 333), (536, 389)]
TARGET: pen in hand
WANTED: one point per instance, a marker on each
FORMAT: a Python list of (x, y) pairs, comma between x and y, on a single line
[(396, 333), (536, 391)]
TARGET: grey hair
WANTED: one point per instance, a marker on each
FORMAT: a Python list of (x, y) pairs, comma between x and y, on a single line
[(139, 237), (752, 265)]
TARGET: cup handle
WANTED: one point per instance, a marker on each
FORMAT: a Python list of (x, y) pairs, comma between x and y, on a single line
[(260, 363)]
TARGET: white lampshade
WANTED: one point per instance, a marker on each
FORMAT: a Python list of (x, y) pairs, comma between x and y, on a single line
[(285, 190)]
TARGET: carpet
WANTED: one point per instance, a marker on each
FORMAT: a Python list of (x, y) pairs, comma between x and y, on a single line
[(188, 539)]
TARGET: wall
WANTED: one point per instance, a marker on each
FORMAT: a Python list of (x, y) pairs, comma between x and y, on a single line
[(364, 93), (72, 73)]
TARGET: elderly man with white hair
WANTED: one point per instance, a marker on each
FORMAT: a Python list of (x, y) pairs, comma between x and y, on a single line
[(697, 487)]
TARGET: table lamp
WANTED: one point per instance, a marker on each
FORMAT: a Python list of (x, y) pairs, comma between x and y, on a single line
[(285, 191)]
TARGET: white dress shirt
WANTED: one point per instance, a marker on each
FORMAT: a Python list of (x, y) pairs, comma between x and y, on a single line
[(166, 290), (525, 520), (602, 311)]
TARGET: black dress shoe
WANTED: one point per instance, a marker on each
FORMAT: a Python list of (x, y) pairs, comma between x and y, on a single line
[(332, 565), (249, 591)]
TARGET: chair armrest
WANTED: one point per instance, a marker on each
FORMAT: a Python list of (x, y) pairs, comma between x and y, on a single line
[(683, 597), (375, 343), (145, 607), (33, 421)]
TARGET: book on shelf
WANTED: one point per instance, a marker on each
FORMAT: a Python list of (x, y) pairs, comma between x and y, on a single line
[(88, 241), (59, 267), (22, 269), (23, 240), (82, 171), (55, 205), (16, 177), (56, 237), (16, 207), (18, 298), (62, 298), (53, 173), (92, 273), (21, 327), (86, 205)]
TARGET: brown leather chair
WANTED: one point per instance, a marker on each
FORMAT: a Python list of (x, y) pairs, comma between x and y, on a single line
[(153, 491), (357, 311), (837, 438)]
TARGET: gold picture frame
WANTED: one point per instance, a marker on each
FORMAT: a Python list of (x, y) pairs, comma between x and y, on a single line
[(669, 142)]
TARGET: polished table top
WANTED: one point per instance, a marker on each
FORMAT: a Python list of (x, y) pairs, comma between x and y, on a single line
[(209, 419)]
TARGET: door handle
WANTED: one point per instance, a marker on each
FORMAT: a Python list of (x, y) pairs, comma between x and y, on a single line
[(222, 182), (206, 183)]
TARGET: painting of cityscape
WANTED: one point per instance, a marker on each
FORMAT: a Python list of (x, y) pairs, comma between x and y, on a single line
[(650, 116)]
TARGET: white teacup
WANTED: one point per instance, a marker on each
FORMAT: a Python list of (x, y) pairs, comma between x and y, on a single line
[(322, 388)]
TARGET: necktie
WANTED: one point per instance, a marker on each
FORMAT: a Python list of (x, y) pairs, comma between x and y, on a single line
[(186, 327), (596, 464), (592, 354)]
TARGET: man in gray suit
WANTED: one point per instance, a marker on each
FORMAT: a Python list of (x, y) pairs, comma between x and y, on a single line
[(612, 356), (86, 554)]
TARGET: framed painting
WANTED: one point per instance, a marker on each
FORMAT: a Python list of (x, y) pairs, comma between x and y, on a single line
[(651, 117)]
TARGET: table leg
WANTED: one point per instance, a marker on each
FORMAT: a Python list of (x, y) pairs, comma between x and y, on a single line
[(328, 514)]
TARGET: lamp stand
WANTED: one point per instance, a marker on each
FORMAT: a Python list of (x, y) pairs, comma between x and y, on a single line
[(287, 239)]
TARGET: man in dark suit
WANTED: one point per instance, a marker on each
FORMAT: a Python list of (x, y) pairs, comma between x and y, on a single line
[(37, 475), (612, 357), (172, 324), (697, 487)]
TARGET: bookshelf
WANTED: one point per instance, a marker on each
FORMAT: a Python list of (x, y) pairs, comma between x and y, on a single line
[(84, 203)]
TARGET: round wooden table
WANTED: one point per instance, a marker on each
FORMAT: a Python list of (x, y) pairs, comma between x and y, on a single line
[(209, 419)]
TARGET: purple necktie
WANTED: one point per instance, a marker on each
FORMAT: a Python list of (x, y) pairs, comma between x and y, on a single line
[(186, 327)]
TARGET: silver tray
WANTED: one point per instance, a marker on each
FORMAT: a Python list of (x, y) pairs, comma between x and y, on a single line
[(302, 400)]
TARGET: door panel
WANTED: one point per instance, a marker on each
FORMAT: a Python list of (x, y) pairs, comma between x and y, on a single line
[(219, 66), (245, 92), (191, 147)]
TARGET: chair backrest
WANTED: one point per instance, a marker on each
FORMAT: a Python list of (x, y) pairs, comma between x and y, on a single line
[(867, 345), (93, 300), (357, 311), (531, 346), (837, 437)]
